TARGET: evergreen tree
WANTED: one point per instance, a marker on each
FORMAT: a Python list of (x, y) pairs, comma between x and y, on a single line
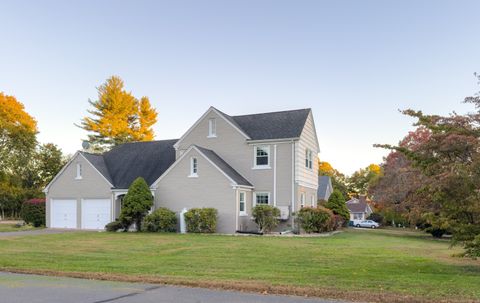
[(136, 204), (336, 203)]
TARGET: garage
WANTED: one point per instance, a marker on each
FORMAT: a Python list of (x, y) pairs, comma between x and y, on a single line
[(63, 213), (96, 213)]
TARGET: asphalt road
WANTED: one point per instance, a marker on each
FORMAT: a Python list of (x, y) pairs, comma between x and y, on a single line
[(19, 288)]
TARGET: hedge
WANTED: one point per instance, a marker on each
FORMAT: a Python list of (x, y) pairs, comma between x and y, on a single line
[(33, 212), (201, 220), (319, 219), (160, 220)]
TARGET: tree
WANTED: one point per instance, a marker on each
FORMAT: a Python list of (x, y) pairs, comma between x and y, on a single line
[(136, 204), (49, 161), (338, 179), (361, 180), (450, 160), (336, 203), (118, 117), (18, 132)]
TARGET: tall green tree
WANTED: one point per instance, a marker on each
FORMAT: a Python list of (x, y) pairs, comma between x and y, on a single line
[(360, 181), (118, 117), (136, 204), (336, 203)]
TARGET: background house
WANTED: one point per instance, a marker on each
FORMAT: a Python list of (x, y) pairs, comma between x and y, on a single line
[(325, 188), (359, 208)]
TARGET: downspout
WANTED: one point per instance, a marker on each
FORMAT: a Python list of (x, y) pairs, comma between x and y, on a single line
[(275, 175), (237, 208), (293, 183)]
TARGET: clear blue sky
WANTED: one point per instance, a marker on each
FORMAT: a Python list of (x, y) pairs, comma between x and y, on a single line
[(355, 63)]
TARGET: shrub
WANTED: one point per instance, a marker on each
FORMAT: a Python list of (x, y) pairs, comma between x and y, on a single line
[(377, 217), (201, 220), (160, 220), (114, 226), (266, 217), (33, 212), (319, 219), (136, 204)]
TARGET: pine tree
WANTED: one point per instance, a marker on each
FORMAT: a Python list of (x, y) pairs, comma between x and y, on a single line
[(118, 117), (336, 203)]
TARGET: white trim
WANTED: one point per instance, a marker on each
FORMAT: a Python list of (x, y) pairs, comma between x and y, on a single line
[(275, 175), (177, 144), (254, 202), (193, 167), (266, 166), (276, 141), (45, 190), (78, 167), (302, 199), (244, 212)]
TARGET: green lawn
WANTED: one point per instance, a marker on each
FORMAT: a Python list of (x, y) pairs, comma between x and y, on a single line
[(365, 264), (6, 227)]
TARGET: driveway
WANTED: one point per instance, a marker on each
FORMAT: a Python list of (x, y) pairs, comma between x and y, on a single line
[(19, 288)]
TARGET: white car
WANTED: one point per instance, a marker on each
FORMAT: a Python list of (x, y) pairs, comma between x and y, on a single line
[(367, 223)]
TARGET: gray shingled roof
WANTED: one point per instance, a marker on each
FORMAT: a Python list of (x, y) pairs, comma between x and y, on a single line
[(274, 125), (224, 166), (324, 183), (357, 205), (126, 162)]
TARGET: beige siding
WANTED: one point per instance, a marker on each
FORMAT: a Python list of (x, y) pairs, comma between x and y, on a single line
[(91, 186), (309, 193), (176, 190), (231, 145), (308, 140)]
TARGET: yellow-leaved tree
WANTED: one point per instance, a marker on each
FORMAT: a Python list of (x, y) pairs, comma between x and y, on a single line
[(118, 117)]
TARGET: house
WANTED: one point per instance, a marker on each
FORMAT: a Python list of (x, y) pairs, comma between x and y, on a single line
[(230, 163), (325, 188), (359, 208)]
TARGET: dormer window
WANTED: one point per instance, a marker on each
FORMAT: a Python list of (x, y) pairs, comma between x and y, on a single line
[(262, 156), (212, 128), (79, 171), (193, 167), (308, 159)]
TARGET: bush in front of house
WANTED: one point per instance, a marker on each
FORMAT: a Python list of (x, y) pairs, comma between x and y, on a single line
[(336, 203), (266, 217), (377, 217), (136, 204), (114, 226), (33, 212), (316, 220), (201, 220), (160, 220)]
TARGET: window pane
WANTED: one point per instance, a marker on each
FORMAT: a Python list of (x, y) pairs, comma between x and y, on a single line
[(261, 156), (262, 198)]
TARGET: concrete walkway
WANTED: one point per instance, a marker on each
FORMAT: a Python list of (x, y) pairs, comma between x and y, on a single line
[(20, 288)]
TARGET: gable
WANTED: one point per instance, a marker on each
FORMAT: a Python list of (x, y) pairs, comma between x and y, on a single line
[(65, 181), (200, 128), (309, 131)]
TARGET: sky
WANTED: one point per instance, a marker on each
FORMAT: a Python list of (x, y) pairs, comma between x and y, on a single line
[(355, 63)]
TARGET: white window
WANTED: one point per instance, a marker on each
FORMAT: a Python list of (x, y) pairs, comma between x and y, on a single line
[(212, 128), (193, 167), (312, 201), (262, 156), (308, 159), (302, 200), (242, 202), (79, 171), (262, 198)]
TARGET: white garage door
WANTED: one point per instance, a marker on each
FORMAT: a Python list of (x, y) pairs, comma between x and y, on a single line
[(96, 213), (63, 213)]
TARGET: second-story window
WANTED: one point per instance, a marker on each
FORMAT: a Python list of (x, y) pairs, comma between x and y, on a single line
[(262, 153), (193, 167), (308, 159), (212, 128), (79, 171)]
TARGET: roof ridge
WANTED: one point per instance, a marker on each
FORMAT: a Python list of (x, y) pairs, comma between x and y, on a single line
[(274, 112)]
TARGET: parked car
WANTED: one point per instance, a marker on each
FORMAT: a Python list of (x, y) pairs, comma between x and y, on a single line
[(367, 223)]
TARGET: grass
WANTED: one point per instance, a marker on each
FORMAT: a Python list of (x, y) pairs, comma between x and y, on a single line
[(7, 227), (373, 265)]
